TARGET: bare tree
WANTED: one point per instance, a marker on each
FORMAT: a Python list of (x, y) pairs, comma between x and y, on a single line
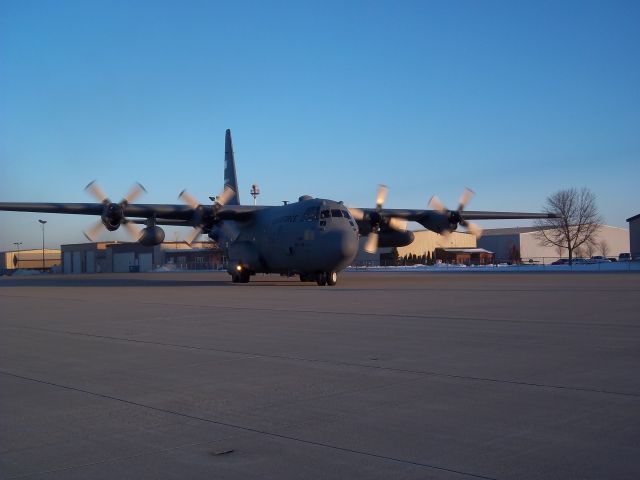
[(576, 223), (604, 248)]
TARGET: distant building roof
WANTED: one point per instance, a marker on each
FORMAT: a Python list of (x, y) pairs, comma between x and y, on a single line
[(635, 217), (519, 230), (465, 250), (509, 231)]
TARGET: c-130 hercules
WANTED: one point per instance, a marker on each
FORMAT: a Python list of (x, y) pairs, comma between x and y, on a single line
[(314, 238)]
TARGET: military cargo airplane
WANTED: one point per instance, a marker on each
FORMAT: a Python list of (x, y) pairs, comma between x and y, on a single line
[(314, 238)]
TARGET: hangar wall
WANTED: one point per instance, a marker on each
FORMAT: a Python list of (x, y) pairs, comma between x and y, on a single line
[(119, 257), (525, 240), (634, 235)]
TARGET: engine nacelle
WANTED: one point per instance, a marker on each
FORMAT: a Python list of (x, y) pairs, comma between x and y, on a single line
[(112, 216), (440, 222), (151, 236), (395, 238)]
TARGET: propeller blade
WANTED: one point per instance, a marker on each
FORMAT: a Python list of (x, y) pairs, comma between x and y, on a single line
[(436, 204), (381, 195), (136, 190), (193, 235), (93, 233), (356, 213), (398, 224), (189, 199), (473, 229), (467, 194), (230, 230), (226, 195), (97, 192), (133, 231), (371, 245)]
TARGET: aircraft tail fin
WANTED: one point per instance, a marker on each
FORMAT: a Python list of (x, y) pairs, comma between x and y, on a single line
[(230, 179)]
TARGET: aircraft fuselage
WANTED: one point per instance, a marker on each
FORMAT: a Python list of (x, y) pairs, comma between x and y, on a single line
[(307, 237)]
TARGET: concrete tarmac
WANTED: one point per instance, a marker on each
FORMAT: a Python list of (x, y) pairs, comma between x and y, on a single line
[(385, 376)]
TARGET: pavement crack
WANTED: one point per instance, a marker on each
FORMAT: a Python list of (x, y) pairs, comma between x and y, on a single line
[(249, 429), (341, 364)]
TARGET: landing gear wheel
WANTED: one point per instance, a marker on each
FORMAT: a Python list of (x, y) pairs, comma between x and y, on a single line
[(321, 279), (332, 278), (241, 277)]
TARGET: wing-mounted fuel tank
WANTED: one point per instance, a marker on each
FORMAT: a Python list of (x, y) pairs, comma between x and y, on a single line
[(150, 236), (395, 238), (245, 255)]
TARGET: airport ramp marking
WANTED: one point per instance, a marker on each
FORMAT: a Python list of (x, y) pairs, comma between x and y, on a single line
[(331, 362), (247, 429)]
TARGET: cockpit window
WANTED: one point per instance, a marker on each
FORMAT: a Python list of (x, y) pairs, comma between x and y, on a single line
[(325, 214), (311, 214), (346, 214), (336, 213)]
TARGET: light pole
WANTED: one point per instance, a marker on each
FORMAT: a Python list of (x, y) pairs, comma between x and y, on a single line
[(17, 244), (42, 222)]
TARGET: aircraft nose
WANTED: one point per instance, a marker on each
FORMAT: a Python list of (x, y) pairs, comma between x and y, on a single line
[(344, 244)]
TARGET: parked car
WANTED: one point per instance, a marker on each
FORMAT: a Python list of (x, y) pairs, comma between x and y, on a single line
[(599, 259), (624, 257), (561, 261), (580, 261)]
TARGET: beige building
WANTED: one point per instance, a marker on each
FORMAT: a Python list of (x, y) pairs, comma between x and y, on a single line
[(29, 259), (425, 241), (523, 242)]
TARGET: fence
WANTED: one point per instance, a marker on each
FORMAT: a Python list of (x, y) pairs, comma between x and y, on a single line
[(527, 264), (192, 266)]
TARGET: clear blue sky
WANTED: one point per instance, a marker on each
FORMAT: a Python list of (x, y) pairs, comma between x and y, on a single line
[(514, 99)]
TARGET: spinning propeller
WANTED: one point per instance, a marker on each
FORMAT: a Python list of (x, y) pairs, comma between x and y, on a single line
[(377, 221), (113, 213), (200, 221), (455, 216)]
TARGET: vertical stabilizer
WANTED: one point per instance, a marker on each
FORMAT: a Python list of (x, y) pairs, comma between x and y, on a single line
[(230, 179)]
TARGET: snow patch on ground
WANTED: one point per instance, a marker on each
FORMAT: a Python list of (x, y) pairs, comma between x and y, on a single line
[(595, 267), (26, 272)]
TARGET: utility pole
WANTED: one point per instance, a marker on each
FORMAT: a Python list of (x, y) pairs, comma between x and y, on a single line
[(17, 244), (42, 222), (255, 191)]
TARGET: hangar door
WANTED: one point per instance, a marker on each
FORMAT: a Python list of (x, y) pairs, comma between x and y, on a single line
[(91, 262), (77, 262), (145, 260), (66, 260), (122, 261)]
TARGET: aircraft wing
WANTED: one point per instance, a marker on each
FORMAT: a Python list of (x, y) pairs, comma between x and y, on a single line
[(181, 212), (439, 221), (471, 215), (160, 211), (73, 208)]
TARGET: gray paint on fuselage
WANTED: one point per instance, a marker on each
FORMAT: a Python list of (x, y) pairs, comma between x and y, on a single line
[(293, 239)]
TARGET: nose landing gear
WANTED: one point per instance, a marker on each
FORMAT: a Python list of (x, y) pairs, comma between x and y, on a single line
[(241, 275)]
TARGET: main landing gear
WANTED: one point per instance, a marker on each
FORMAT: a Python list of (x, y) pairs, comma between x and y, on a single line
[(321, 278), (327, 278)]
